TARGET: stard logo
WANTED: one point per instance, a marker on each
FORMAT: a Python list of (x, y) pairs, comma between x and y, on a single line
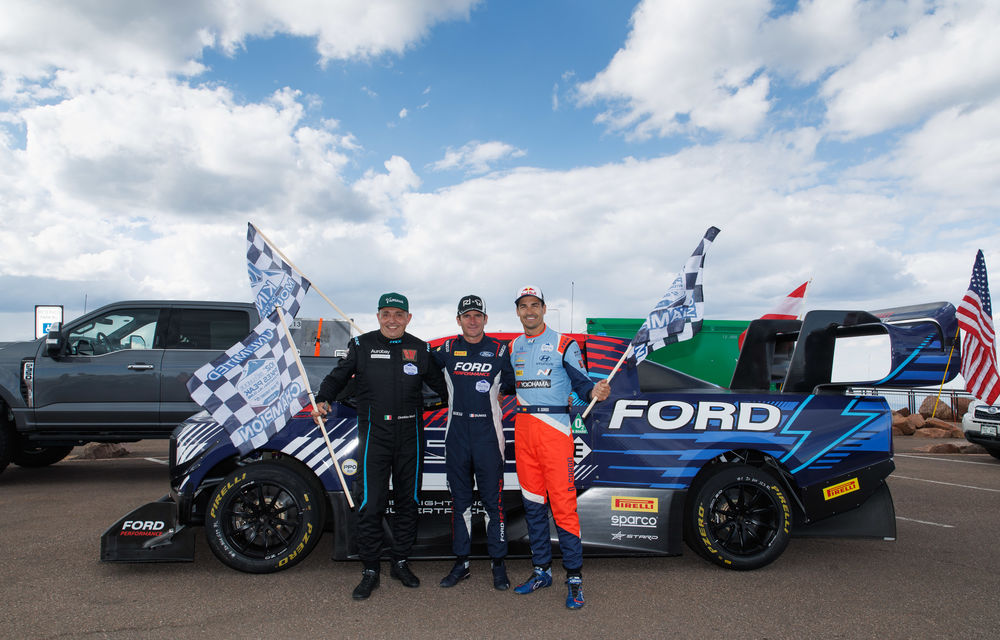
[(409, 354)]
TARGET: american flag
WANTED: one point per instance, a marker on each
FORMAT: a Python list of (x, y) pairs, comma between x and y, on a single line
[(680, 312), (975, 317), (254, 387), (272, 280)]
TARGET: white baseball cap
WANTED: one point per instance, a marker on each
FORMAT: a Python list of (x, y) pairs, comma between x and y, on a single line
[(529, 290)]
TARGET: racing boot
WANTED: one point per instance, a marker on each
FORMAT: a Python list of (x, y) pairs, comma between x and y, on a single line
[(574, 599), (539, 579), (458, 573), (401, 571), (369, 582), (500, 580)]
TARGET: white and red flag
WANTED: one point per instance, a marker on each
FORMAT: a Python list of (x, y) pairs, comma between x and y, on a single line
[(789, 308)]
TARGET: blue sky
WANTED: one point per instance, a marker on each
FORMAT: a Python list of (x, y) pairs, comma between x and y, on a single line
[(442, 147)]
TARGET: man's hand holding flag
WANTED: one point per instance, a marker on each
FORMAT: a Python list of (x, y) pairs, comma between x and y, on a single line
[(678, 315)]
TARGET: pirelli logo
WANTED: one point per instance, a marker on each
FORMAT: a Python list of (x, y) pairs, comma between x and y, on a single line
[(643, 505), (840, 489)]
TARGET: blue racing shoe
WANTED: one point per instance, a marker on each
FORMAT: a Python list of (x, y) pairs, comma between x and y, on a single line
[(539, 579), (574, 599)]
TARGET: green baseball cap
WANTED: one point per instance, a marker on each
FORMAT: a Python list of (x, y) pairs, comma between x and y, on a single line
[(396, 300)]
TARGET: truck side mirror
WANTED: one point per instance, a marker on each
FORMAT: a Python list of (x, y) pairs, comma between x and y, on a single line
[(54, 340)]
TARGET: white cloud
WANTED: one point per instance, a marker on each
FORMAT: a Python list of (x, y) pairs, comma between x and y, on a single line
[(943, 59), (691, 67), (403, 113), (154, 38), (685, 66), (477, 157)]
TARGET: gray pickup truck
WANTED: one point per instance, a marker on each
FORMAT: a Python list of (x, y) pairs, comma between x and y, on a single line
[(116, 374)]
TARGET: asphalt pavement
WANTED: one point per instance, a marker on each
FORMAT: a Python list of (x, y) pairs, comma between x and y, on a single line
[(938, 579)]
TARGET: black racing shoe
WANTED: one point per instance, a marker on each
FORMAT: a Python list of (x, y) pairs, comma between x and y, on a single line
[(401, 571), (369, 582), (458, 573), (500, 580)]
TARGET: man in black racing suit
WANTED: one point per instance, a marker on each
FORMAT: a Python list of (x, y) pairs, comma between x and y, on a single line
[(477, 369), (390, 368)]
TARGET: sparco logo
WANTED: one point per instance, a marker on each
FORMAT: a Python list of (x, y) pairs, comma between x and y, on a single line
[(674, 414), (534, 384), (634, 521)]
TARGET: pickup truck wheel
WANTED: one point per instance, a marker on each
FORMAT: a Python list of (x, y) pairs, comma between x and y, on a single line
[(264, 517), (28, 455), (739, 518)]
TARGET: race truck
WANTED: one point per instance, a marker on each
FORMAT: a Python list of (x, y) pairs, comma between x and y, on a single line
[(115, 374), (786, 450)]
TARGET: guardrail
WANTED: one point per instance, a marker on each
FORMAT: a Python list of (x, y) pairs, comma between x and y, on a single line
[(912, 398)]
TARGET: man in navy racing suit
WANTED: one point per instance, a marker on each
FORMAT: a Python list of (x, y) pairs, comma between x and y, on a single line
[(477, 369), (389, 367)]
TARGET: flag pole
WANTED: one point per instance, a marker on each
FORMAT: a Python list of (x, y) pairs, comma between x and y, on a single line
[(945, 376), (312, 401), (593, 401), (311, 283)]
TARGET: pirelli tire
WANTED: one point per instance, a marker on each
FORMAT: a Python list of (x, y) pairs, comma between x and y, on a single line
[(30, 455), (264, 517), (738, 517)]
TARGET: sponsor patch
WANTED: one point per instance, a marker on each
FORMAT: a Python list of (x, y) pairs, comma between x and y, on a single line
[(381, 354), (841, 488), (486, 354), (534, 384), (410, 369), (643, 505), (349, 466), (461, 353), (543, 372), (409, 355), (578, 426), (547, 347), (482, 386)]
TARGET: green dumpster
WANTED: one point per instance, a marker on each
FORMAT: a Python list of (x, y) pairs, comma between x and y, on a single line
[(710, 355)]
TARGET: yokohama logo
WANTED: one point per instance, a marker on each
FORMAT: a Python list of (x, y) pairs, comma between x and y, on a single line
[(645, 505)]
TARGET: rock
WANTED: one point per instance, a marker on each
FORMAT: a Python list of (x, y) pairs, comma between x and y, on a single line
[(972, 448), (900, 424), (954, 431), (905, 411), (101, 450), (915, 421), (931, 432), (896, 431), (945, 447), (942, 410)]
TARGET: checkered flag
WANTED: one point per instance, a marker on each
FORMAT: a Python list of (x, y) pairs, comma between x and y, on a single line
[(254, 387), (272, 280), (679, 314)]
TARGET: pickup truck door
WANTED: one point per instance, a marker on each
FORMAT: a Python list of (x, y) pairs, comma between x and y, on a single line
[(194, 337), (107, 381)]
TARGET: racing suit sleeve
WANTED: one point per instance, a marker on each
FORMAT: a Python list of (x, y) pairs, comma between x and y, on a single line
[(336, 380), (573, 365), (508, 382), (434, 378)]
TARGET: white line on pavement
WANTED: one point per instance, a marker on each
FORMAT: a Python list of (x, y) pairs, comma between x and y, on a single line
[(950, 484), (157, 460), (936, 524), (905, 455)]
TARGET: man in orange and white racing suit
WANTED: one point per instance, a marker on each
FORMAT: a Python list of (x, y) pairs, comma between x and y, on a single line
[(548, 367)]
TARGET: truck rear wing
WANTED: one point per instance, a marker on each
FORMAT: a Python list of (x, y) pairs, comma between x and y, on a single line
[(798, 355)]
